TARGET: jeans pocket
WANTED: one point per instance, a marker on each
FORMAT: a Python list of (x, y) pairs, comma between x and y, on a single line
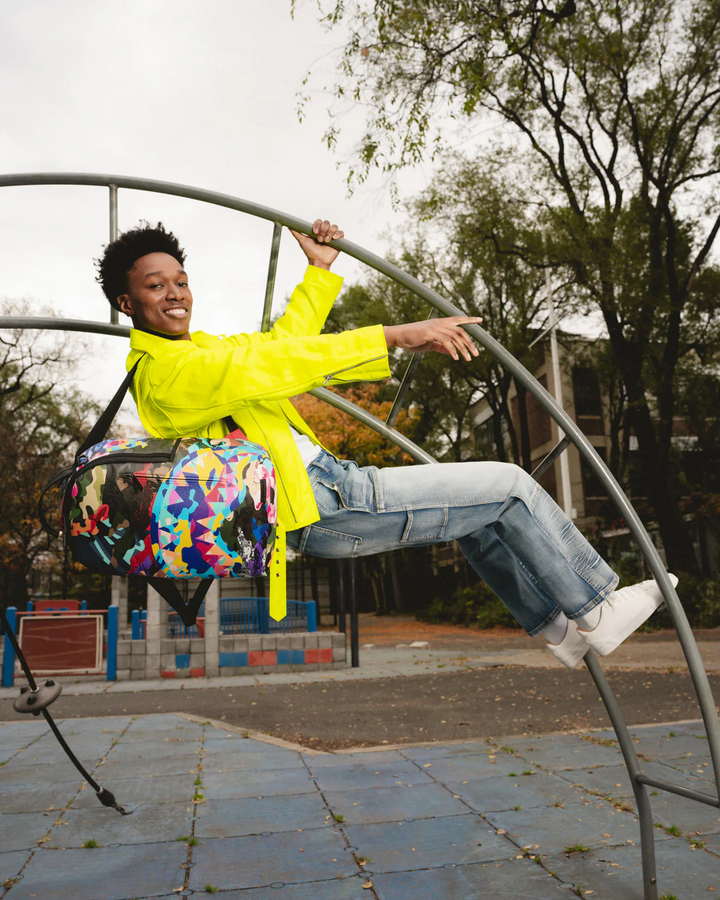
[(328, 544), (348, 487), (327, 497), (425, 525)]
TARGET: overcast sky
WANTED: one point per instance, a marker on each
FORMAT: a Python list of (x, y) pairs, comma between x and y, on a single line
[(197, 93)]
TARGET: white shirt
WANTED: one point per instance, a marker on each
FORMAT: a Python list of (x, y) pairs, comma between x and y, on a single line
[(308, 451)]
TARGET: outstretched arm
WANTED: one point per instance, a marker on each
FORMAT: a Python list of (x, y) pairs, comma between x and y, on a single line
[(313, 298), (441, 335)]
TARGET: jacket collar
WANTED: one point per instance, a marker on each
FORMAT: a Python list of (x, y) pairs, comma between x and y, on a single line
[(154, 344)]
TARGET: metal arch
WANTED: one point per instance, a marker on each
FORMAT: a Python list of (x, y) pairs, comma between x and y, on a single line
[(523, 376)]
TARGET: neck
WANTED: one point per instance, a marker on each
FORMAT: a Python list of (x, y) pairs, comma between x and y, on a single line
[(168, 337)]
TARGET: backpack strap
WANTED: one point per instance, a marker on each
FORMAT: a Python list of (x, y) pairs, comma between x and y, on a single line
[(188, 612), (100, 428)]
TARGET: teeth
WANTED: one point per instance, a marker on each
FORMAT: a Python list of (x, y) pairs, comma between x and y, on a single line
[(177, 311)]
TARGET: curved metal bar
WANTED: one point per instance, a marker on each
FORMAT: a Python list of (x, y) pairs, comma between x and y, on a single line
[(50, 323), (519, 372), (362, 415), (647, 836)]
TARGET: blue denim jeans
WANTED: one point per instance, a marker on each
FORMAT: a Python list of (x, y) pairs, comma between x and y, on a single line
[(511, 531)]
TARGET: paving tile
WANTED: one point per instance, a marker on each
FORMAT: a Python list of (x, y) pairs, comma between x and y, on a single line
[(148, 735), (255, 861), (565, 751), (257, 783), (473, 748), (712, 842), (591, 824), (20, 735), (428, 843), (7, 753), (242, 816), (335, 889), (465, 766), (141, 789), (615, 782), (496, 794), (695, 727), (21, 831), (508, 880), (11, 863), (162, 721), (163, 765), (101, 725), (229, 761), (142, 750), (617, 872), (17, 772), (362, 775), (149, 823), (36, 797), (393, 804), (112, 873), (328, 760), (688, 815), (43, 753), (662, 746), (697, 766), (247, 745)]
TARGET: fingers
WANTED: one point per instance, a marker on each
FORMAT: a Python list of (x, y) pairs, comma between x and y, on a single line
[(325, 232), (455, 340)]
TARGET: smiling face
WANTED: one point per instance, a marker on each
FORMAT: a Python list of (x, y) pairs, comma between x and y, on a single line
[(159, 297)]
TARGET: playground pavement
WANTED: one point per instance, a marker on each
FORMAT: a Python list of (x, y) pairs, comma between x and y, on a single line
[(218, 810)]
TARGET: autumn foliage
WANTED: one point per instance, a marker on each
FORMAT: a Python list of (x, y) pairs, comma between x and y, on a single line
[(349, 439)]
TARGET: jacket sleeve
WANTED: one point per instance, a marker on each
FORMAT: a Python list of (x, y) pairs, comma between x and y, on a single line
[(191, 386), (309, 305)]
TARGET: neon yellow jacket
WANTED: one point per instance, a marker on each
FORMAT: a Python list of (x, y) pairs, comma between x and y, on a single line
[(186, 388)]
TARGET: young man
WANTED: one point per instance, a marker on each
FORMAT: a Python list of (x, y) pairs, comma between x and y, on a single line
[(511, 531)]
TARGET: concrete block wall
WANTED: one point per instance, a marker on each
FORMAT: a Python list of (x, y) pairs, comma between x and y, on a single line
[(235, 655)]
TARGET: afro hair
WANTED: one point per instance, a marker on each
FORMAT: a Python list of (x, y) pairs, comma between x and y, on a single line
[(120, 256)]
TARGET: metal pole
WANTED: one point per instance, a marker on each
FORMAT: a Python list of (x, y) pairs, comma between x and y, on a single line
[(557, 382), (647, 837), (8, 669), (272, 272), (112, 642), (354, 630), (405, 383), (114, 315), (342, 625)]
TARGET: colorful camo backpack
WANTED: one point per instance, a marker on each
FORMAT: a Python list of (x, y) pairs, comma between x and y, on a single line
[(172, 509)]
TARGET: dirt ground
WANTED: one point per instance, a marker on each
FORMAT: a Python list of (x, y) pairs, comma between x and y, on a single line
[(388, 631)]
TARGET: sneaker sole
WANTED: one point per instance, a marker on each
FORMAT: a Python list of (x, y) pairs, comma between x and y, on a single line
[(573, 658)]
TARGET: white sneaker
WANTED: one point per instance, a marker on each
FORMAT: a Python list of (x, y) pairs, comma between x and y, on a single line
[(623, 612), (571, 648)]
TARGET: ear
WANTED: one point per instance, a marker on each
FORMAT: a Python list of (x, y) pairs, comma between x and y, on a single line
[(125, 304)]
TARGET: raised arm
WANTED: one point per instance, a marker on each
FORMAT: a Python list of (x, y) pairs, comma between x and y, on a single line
[(313, 298)]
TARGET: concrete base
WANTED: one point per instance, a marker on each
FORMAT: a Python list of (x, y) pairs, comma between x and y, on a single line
[(236, 654)]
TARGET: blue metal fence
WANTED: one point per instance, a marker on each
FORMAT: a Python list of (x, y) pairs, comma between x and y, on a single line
[(176, 629), (239, 615), (251, 615)]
